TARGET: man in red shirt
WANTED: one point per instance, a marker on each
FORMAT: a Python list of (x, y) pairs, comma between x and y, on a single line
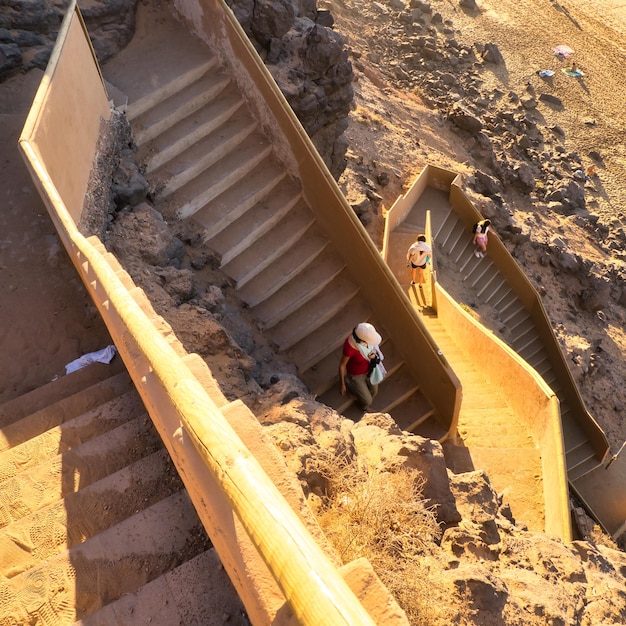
[(354, 368)]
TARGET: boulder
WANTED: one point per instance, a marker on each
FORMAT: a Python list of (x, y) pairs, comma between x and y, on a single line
[(596, 295), (492, 54), (155, 243), (378, 439), (464, 119), (271, 19)]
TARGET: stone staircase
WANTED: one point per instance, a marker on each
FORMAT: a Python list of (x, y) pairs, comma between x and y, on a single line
[(209, 162), (95, 524), (517, 328)]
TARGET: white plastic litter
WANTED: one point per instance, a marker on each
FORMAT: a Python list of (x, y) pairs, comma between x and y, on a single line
[(100, 356)]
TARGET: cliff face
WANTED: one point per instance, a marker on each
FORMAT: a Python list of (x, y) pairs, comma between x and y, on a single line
[(305, 56), (310, 65)]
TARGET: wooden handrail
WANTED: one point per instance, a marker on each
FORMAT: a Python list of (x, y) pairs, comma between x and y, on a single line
[(311, 583)]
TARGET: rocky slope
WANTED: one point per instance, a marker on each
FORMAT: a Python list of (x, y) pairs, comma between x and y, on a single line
[(445, 83)]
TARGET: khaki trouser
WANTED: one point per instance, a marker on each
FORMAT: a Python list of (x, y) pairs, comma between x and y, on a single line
[(361, 387)]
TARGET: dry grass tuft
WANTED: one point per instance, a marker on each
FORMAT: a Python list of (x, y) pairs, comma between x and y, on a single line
[(600, 538), (380, 515), (367, 116)]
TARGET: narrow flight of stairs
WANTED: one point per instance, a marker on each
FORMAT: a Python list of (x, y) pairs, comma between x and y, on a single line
[(209, 162), (517, 328), (491, 437), (94, 521)]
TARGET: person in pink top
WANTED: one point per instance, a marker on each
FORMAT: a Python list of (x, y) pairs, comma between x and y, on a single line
[(360, 349), (480, 237)]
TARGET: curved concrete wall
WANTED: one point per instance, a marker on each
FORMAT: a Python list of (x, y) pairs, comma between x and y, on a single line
[(534, 402)]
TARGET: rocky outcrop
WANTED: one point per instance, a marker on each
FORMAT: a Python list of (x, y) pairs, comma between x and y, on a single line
[(28, 30), (310, 65), (486, 567), (296, 41)]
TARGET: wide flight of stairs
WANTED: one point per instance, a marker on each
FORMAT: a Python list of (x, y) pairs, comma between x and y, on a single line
[(94, 521), (208, 161), (481, 276)]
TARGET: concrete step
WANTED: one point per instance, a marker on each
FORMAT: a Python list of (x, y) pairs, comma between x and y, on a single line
[(526, 332), (491, 438), (580, 460), (23, 428), (294, 261), (473, 269), (235, 202), (459, 246), (232, 169), (68, 435), (491, 282), (533, 352), (179, 596), (324, 374), (270, 247), (186, 133), (573, 436), (490, 277), (166, 86), (297, 292), (315, 313), (398, 386), (445, 226), (454, 238), (514, 317), (75, 469), (117, 561), (256, 222), (85, 513), (397, 395), (199, 157), (498, 294), (59, 390), (416, 415), (166, 113)]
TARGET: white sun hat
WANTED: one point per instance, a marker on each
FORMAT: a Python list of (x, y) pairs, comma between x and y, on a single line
[(366, 332)]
